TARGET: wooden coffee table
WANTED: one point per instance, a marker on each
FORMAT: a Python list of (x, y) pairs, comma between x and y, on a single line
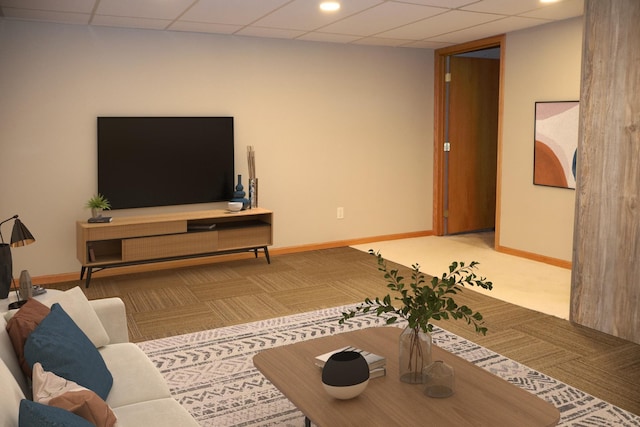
[(480, 398)]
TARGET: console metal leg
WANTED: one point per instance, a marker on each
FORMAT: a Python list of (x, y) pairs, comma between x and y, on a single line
[(89, 270)]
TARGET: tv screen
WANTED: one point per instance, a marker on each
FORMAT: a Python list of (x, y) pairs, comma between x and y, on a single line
[(161, 161)]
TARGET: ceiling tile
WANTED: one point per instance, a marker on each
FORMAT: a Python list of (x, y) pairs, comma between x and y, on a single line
[(305, 15), (490, 29), (382, 18), (128, 22), (445, 23), (235, 12), (556, 11), (449, 4), (503, 7), (47, 16), (204, 27), (328, 37), (377, 41), (143, 8), (269, 32), (513, 23), (77, 6), (428, 44), (456, 36)]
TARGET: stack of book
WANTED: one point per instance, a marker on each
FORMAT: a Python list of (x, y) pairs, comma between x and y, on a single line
[(377, 363)]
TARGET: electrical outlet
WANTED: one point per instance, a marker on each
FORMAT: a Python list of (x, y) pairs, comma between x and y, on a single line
[(340, 213)]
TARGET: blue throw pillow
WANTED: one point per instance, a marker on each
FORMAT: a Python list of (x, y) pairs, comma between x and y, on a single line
[(62, 348), (36, 414)]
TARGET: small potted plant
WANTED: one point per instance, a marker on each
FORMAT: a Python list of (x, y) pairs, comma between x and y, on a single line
[(97, 204), (419, 303)]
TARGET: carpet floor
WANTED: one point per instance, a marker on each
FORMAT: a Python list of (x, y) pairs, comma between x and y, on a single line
[(176, 301), (211, 373)]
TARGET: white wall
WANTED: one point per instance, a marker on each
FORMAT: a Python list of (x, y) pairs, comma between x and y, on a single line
[(542, 64), (332, 125)]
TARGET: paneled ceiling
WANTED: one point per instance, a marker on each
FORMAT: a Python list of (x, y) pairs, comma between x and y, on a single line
[(408, 23)]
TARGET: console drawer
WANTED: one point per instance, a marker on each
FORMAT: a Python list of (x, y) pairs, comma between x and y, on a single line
[(116, 231), (173, 245), (244, 237)]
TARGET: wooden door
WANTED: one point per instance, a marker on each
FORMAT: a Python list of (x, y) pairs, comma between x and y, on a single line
[(473, 136)]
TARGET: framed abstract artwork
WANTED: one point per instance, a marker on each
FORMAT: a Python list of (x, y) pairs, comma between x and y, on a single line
[(556, 143)]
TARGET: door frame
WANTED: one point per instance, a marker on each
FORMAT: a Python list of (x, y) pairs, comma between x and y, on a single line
[(439, 117)]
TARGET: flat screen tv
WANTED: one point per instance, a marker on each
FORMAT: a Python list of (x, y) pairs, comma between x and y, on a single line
[(161, 161)]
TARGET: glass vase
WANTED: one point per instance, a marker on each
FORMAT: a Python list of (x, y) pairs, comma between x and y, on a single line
[(439, 380), (415, 355)]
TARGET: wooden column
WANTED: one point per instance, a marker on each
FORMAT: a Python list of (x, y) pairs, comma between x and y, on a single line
[(605, 288)]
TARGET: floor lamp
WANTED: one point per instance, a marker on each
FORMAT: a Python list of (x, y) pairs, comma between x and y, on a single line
[(20, 236)]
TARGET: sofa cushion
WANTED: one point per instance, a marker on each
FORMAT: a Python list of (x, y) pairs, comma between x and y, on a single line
[(137, 379), (62, 348), (36, 414), (50, 389), (157, 413), (10, 396), (10, 360), (21, 325), (77, 306), (88, 405)]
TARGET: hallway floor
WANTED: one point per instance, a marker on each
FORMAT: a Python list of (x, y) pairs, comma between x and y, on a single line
[(531, 284)]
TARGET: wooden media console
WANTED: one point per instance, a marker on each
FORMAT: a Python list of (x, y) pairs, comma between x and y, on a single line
[(163, 237)]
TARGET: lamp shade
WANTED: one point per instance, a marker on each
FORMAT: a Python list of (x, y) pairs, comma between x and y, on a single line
[(21, 236)]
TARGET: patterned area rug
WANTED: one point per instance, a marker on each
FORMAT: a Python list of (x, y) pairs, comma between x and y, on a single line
[(212, 375)]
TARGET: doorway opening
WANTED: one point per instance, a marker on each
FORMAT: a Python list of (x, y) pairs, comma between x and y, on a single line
[(467, 146)]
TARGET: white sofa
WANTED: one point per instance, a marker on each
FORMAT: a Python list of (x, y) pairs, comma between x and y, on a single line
[(139, 395)]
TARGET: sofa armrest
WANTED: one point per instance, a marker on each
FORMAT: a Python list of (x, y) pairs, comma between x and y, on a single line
[(113, 316)]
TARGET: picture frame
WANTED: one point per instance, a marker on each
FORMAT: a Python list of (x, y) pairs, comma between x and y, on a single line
[(556, 143)]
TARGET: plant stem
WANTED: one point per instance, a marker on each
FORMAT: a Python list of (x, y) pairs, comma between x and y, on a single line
[(415, 355)]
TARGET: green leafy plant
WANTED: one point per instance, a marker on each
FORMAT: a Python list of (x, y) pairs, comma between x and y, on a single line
[(422, 301), (98, 201)]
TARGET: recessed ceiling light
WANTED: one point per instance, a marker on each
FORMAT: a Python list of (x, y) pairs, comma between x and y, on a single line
[(329, 6), (549, 1)]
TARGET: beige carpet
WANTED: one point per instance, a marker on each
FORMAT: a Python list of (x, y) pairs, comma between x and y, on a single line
[(534, 285)]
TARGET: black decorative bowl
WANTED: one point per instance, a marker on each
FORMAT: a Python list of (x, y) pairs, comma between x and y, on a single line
[(345, 375)]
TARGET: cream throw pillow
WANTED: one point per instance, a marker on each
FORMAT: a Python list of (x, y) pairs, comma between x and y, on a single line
[(77, 306), (50, 389)]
